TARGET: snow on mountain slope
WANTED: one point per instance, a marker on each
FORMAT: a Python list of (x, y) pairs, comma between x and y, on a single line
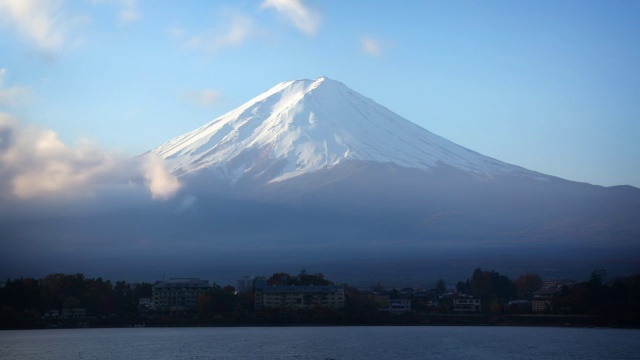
[(302, 126)]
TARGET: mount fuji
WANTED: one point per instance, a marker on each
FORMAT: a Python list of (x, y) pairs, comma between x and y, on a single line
[(299, 127), (313, 169)]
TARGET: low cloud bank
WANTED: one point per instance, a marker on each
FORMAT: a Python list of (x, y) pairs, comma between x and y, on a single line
[(36, 164)]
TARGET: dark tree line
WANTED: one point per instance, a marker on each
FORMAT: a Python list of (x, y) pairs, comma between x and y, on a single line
[(619, 297), (494, 290), (28, 299)]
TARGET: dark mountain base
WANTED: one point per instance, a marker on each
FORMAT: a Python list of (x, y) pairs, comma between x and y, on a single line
[(359, 222)]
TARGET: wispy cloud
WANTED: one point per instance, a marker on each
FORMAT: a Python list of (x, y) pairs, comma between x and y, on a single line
[(370, 46), (176, 31), (206, 97), (233, 31), (128, 11), (43, 23), (35, 163), (302, 17), (13, 95)]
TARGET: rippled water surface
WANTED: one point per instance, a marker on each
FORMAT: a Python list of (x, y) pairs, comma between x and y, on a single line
[(323, 343)]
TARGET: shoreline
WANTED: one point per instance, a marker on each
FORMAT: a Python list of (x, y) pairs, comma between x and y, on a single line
[(503, 320)]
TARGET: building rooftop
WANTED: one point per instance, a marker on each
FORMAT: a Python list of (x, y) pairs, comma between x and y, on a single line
[(182, 283), (301, 289)]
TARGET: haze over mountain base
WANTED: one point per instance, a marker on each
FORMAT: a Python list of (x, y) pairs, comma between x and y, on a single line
[(347, 222)]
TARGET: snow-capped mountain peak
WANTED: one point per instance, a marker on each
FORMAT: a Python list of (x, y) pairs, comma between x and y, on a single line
[(302, 126)]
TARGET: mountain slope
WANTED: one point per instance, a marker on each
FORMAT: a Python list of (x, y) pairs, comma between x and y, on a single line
[(299, 127)]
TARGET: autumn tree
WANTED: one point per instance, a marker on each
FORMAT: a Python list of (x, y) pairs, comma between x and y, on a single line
[(527, 284), (491, 288)]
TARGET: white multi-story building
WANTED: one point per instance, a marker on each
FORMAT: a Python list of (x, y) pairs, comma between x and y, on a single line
[(245, 284), (543, 297), (398, 306), (466, 304), (145, 303), (299, 297), (179, 294)]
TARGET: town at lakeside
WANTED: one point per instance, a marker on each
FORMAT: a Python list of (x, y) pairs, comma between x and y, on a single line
[(484, 298)]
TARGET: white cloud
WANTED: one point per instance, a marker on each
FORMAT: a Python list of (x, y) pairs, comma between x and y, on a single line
[(235, 31), (35, 164), (305, 19), (11, 96), (370, 46), (128, 11), (238, 32), (187, 202), (206, 97), (160, 181), (176, 32), (43, 23)]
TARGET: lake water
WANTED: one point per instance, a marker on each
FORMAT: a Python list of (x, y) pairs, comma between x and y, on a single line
[(323, 343)]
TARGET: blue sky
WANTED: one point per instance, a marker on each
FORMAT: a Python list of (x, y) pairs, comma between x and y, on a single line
[(553, 86)]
